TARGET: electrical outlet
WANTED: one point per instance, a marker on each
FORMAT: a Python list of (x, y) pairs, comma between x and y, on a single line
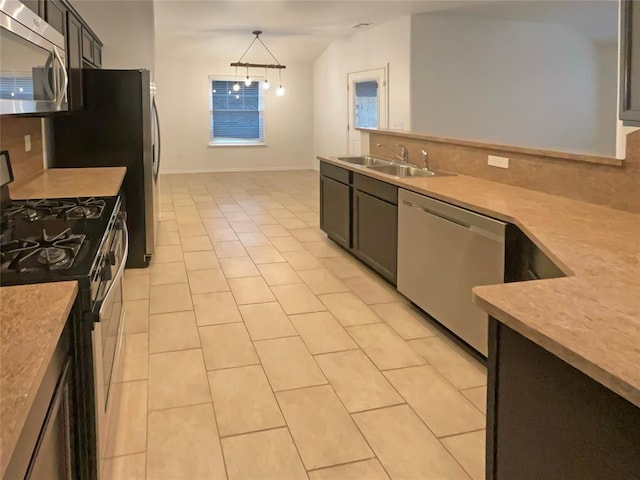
[(27, 143), (397, 125), (501, 162)]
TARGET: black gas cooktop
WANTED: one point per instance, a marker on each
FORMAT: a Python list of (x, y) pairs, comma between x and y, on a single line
[(52, 240)]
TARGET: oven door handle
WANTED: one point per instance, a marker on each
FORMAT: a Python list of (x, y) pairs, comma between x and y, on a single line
[(120, 272)]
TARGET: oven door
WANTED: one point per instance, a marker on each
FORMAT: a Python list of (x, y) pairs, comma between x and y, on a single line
[(33, 77), (108, 336)]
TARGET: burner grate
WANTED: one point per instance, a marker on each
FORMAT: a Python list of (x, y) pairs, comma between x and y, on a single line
[(33, 210), (52, 252)]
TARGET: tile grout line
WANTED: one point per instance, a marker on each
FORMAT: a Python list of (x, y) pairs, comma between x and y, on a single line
[(206, 374)]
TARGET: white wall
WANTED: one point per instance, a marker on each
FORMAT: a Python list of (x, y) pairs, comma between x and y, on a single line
[(183, 66), (521, 83), (125, 27), (374, 47)]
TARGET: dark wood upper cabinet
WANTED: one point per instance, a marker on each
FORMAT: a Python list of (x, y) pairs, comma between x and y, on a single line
[(97, 54), (87, 46), (56, 15), (630, 62), (74, 61), (36, 6)]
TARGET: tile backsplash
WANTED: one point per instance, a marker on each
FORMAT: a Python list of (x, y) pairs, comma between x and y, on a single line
[(25, 165), (613, 186)]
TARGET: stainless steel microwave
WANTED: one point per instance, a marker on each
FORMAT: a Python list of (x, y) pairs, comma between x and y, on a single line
[(33, 76)]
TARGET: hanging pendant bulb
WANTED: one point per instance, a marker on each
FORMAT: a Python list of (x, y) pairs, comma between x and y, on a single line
[(247, 80), (236, 87), (280, 89), (266, 85)]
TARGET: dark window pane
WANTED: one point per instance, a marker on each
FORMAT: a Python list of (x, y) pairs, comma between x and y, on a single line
[(244, 125)]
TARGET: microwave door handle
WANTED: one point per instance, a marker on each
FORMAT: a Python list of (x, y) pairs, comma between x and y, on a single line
[(50, 90), (62, 93), (120, 272)]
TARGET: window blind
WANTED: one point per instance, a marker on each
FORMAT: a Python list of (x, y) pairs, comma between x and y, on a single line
[(236, 117), (16, 88)]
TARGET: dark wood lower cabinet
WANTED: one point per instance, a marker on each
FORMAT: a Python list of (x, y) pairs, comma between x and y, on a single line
[(548, 420), (375, 234), (335, 210), (47, 447), (53, 458)]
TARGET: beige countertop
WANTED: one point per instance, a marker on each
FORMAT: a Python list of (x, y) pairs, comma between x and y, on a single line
[(32, 318), (72, 182), (591, 318)]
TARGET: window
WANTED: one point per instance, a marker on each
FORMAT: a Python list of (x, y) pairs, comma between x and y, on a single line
[(367, 104), (16, 88), (236, 117)]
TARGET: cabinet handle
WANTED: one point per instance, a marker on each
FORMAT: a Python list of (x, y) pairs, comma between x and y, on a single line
[(445, 217)]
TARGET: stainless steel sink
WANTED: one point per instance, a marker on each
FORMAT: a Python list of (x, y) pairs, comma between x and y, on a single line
[(365, 160), (408, 171)]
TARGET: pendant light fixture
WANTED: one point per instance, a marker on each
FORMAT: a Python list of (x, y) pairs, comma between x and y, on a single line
[(266, 83), (236, 86), (277, 65), (280, 89)]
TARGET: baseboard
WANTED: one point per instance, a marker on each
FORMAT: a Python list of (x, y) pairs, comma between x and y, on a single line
[(231, 170)]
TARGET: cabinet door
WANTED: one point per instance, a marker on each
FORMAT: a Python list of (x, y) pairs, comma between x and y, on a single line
[(630, 63), (375, 234), (335, 211), (97, 54), (53, 458), (74, 61), (36, 6), (56, 16), (87, 46)]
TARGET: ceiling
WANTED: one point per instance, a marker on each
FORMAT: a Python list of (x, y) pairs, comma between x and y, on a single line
[(596, 19), (302, 29), (294, 29)]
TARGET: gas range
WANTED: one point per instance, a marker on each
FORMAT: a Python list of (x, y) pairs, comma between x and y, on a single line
[(50, 240)]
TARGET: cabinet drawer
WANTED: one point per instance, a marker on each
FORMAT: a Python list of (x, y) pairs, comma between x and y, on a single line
[(376, 188), (342, 175)]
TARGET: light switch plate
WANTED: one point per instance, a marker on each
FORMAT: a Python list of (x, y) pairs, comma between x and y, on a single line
[(27, 143), (502, 162)]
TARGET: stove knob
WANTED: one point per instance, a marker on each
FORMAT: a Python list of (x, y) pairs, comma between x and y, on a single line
[(105, 273)]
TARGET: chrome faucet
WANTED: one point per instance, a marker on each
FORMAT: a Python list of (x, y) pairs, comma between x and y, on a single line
[(425, 159), (403, 156)]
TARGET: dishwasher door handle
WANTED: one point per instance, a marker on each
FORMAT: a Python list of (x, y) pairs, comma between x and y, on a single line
[(445, 217)]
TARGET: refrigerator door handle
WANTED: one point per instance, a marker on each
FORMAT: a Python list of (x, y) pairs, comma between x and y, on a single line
[(156, 162)]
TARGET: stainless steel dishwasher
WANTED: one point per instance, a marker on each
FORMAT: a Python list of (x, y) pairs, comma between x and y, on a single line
[(444, 251)]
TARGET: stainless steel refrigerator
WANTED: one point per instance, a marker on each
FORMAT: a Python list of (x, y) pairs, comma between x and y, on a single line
[(119, 126)]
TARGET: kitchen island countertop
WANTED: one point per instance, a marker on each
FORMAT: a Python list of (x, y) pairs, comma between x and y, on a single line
[(591, 318), (71, 182), (32, 318)]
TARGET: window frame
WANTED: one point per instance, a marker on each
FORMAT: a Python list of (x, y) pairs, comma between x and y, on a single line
[(236, 142)]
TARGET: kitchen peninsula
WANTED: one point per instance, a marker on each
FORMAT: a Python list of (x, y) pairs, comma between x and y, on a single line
[(586, 324)]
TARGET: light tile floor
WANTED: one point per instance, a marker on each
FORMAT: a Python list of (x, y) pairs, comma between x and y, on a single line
[(258, 349)]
